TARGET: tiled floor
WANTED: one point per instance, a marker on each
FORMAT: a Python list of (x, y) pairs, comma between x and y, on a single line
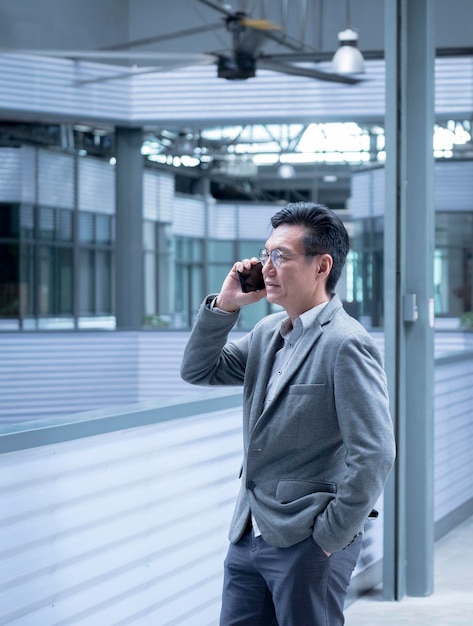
[(451, 604)]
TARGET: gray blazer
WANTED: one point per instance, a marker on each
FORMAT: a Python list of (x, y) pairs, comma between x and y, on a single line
[(317, 458)]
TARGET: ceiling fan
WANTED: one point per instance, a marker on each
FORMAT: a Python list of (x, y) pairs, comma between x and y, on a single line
[(240, 62)]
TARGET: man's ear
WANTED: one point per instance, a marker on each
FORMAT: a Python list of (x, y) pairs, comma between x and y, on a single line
[(325, 265)]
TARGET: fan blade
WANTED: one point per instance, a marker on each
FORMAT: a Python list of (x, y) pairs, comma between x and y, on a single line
[(308, 72), (269, 30), (136, 72), (159, 38), (101, 55), (218, 7)]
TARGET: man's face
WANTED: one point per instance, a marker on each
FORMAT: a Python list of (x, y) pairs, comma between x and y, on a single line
[(296, 284)]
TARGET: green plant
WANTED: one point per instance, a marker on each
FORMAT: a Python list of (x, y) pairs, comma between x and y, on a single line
[(155, 321), (466, 320)]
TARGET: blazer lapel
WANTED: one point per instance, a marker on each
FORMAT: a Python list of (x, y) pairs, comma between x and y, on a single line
[(275, 343), (307, 344)]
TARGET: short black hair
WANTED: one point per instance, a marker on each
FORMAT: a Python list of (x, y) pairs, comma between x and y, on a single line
[(325, 233)]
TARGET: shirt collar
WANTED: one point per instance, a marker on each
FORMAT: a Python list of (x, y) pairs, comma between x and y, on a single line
[(303, 322)]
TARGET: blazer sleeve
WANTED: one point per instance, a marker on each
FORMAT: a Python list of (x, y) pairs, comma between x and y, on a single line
[(208, 358), (365, 424)]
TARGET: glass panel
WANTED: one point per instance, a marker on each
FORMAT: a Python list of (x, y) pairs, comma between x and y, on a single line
[(197, 291), (64, 225), (86, 227), (65, 283), (365, 271), (453, 263), (248, 249), (10, 221), (9, 283), (189, 249), (104, 282), (27, 280), (182, 296), (216, 275), (103, 229), (46, 223), (27, 221), (149, 235), (86, 282), (250, 315), (197, 253), (150, 291), (179, 248), (221, 252), (440, 283), (46, 273)]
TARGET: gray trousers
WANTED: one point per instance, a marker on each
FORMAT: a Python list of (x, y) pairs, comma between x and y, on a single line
[(295, 586)]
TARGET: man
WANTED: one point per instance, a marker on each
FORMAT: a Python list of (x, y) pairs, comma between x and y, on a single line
[(317, 434)]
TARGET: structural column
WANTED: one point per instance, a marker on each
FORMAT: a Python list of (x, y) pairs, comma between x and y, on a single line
[(129, 274), (409, 313)]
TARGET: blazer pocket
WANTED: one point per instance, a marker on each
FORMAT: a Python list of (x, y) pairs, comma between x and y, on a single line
[(290, 489)]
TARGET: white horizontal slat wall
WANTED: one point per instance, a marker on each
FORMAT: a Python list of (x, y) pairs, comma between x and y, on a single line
[(18, 175), (55, 179), (453, 189), (96, 186), (453, 435), (159, 365), (49, 87), (48, 374), (123, 528), (150, 196), (166, 197), (188, 217), (52, 87), (361, 203), (454, 186), (454, 87), (44, 374), (223, 221), (195, 94), (254, 221), (158, 196), (240, 221)]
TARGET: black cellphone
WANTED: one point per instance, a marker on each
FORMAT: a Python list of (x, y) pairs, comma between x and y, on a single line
[(251, 279)]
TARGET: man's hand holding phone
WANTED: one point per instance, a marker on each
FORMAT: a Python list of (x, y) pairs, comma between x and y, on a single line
[(243, 285)]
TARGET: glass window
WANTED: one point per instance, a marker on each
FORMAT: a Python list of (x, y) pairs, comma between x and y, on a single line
[(216, 275), (103, 229), (183, 286), (46, 223), (104, 282), (64, 225), (64, 287), (221, 252), (27, 221), (197, 253), (9, 221), (86, 227), (45, 275), (86, 283), (149, 235), (27, 280), (248, 249), (9, 283), (453, 263), (151, 287)]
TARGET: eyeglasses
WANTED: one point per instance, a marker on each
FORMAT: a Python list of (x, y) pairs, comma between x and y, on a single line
[(277, 257)]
